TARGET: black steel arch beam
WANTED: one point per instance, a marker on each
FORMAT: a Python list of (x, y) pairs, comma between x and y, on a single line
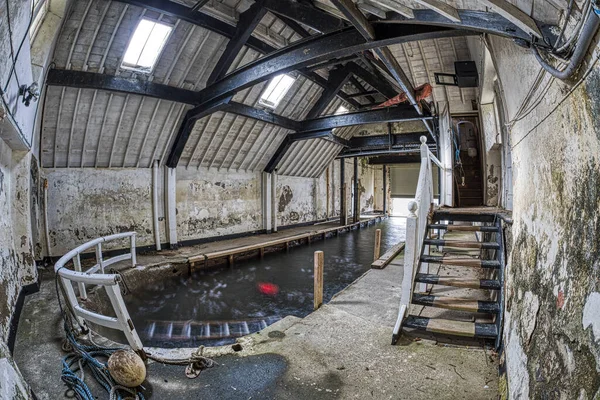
[(247, 22), (326, 134), (186, 128), (386, 141), (261, 115), (336, 81), (314, 50), (391, 114), (93, 80), (377, 82), (337, 78)]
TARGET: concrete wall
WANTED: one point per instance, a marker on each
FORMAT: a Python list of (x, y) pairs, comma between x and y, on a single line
[(85, 203), (212, 203), (552, 328)]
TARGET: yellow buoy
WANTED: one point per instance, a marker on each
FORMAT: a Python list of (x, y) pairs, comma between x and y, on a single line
[(127, 368)]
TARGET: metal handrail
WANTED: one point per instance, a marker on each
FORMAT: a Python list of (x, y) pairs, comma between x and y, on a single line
[(110, 282), (416, 228)]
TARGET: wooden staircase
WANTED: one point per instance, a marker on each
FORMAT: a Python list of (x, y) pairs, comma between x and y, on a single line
[(464, 297)]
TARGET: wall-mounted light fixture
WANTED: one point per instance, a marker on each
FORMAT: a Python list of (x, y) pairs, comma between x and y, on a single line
[(29, 93)]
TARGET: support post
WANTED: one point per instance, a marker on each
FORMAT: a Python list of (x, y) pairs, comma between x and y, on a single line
[(327, 195), (171, 176), (356, 195), (266, 201), (318, 273), (384, 189), (377, 251), (343, 210), (156, 225), (333, 188), (274, 201)]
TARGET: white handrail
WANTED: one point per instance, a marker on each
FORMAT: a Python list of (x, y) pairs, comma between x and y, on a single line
[(110, 282), (416, 228)]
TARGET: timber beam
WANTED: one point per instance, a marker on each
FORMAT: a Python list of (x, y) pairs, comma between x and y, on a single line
[(296, 137), (336, 81), (262, 115), (248, 21), (391, 114)]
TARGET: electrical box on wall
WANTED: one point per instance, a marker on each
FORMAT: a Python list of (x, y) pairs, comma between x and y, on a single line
[(465, 75)]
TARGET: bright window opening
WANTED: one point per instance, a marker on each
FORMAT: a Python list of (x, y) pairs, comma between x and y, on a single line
[(341, 110), (276, 90), (146, 45)]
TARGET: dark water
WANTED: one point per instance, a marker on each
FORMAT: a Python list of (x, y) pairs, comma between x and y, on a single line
[(215, 306)]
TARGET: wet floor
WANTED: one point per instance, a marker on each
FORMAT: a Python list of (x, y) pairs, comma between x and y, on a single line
[(216, 306)]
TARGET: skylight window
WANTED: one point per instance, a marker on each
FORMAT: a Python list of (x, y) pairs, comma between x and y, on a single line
[(276, 90), (341, 110), (146, 45)]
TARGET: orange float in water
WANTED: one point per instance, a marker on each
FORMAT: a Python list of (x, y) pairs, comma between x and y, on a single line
[(270, 289)]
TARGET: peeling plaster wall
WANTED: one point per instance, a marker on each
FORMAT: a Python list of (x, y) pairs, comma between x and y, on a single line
[(493, 158), (85, 203), (552, 329), (295, 200), (9, 260), (212, 203)]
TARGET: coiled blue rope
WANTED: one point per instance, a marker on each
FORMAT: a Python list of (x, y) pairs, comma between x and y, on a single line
[(82, 356), (86, 356)]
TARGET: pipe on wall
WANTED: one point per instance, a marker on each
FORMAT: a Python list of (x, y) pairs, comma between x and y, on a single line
[(585, 39)]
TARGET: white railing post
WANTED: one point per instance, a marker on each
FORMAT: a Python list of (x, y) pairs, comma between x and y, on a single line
[(133, 251), (412, 224), (99, 257), (77, 264), (114, 294), (96, 276)]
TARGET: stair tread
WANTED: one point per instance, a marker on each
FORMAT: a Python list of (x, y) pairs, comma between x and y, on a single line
[(462, 244), (456, 281), (450, 327), (467, 228), (463, 262), (456, 303)]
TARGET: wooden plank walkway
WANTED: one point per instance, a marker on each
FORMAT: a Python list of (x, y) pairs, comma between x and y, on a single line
[(283, 241), (385, 259)]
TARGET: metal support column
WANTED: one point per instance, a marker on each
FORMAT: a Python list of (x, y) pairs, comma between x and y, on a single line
[(356, 198), (384, 189), (274, 201), (343, 211), (267, 203), (171, 188)]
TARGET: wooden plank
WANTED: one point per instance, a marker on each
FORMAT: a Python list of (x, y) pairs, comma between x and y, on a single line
[(269, 243), (465, 262), (387, 258)]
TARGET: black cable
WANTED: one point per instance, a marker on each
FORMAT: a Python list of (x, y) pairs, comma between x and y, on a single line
[(16, 56)]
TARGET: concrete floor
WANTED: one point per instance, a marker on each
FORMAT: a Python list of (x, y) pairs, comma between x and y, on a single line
[(341, 351)]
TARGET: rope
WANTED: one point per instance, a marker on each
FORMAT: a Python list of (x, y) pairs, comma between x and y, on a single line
[(82, 356), (87, 356)]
